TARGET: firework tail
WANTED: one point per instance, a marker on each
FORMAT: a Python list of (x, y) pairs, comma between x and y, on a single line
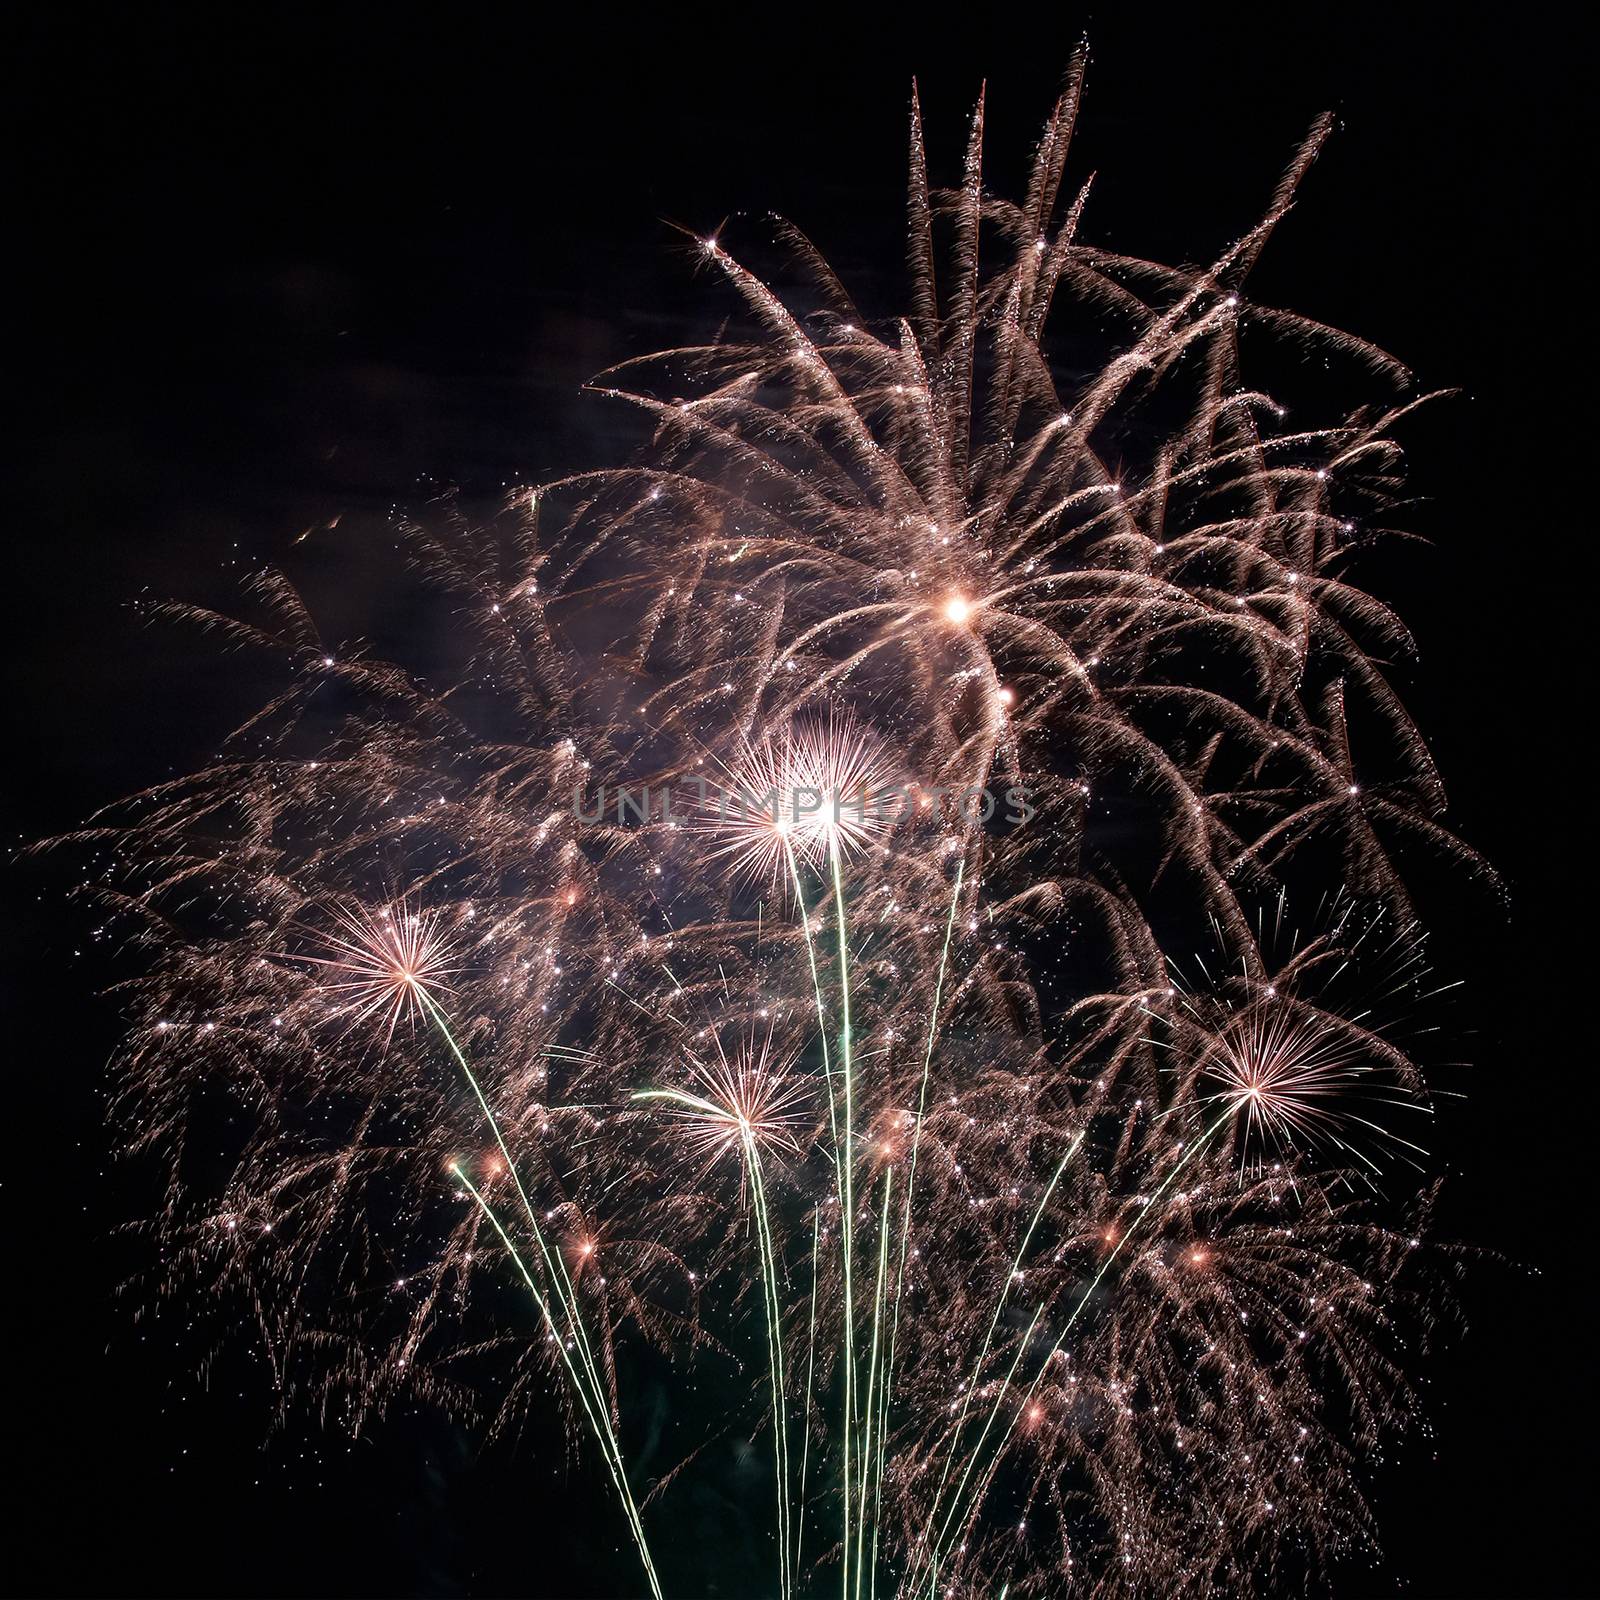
[(598, 1420), (847, 1211), (941, 1544), (594, 1398), (805, 1415), (750, 1155), (905, 1223)]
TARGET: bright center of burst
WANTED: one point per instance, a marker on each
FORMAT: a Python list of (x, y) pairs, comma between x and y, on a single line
[(957, 609)]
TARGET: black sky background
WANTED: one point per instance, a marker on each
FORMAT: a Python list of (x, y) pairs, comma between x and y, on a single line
[(283, 266)]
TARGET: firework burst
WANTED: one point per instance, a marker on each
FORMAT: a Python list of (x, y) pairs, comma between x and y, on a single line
[(815, 793), (730, 1104), (391, 965), (1062, 1278)]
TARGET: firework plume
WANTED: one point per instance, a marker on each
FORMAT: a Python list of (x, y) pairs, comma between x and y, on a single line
[(932, 1039)]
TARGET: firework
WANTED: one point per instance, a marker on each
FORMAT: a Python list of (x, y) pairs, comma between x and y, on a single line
[(747, 1103), (1064, 1276), (816, 792), (391, 964)]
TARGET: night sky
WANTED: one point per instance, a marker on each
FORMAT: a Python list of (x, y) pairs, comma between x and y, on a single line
[(285, 271)]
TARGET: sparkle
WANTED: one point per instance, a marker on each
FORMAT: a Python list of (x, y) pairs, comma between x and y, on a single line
[(388, 963)]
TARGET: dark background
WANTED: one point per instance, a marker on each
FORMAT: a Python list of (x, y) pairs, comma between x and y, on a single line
[(283, 266)]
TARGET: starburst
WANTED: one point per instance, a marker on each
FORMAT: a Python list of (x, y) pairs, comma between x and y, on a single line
[(815, 792), (1283, 1068), (391, 963), (749, 1101)]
